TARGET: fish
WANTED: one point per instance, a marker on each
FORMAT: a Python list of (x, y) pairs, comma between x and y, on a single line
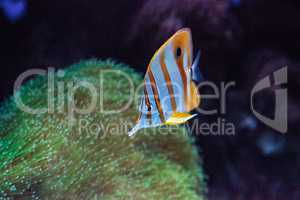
[(169, 91)]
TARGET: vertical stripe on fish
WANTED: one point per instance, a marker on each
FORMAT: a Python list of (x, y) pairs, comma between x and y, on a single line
[(179, 62), (148, 104), (155, 93), (168, 81)]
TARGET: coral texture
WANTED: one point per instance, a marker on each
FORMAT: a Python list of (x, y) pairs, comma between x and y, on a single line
[(43, 157)]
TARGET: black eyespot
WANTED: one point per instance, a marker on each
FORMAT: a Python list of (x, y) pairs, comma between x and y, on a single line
[(178, 52), (149, 108)]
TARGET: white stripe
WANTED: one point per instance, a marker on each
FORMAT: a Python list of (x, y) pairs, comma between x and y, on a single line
[(175, 77), (185, 60), (188, 73), (162, 88)]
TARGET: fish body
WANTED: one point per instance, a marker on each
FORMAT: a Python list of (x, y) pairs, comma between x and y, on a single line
[(169, 91)]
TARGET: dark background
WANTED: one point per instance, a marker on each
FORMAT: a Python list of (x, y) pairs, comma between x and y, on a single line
[(241, 41)]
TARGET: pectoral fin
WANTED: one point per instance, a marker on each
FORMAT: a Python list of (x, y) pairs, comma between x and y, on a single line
[(179, 118)]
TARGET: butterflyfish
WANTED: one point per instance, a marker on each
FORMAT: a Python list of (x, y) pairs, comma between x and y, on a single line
[(170, 92)]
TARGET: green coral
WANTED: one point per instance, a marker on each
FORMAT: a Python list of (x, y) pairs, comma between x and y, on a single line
[(43, 157)]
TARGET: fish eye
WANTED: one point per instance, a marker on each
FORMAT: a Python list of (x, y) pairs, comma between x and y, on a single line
[(178, 52)]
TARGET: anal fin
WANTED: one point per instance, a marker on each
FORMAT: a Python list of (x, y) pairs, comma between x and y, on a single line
[(179, 118)]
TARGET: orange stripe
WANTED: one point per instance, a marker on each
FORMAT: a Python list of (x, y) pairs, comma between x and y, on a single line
[(168, 81), (147, 97), (155, 92), (189, 57), (183, 41), (179, 62), (149, 114)]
